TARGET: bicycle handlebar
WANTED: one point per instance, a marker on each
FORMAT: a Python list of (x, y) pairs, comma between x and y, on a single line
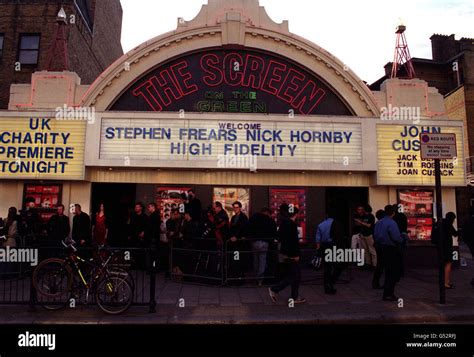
[(70, 245)]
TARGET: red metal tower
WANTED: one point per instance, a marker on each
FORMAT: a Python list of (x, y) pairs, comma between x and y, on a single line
[(402, 56), (58, 56)]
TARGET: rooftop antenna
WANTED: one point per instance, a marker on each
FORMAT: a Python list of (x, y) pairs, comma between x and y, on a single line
[(402, 56), (58, 48)]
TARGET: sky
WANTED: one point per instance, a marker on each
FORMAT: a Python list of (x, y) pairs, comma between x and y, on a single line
[(360, 33)]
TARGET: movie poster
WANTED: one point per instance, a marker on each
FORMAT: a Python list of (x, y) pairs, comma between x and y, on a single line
[(228, 195), (168, 198), (47, 198), (418, 207), (297, 197)]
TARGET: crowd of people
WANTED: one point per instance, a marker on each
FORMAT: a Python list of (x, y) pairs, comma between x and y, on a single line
[(269, 247), (383, 238)]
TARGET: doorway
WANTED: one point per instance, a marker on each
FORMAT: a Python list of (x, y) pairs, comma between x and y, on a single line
[(343, 200), (119, 200)]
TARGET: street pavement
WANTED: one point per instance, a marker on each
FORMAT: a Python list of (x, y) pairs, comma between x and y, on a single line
[(355, 302)]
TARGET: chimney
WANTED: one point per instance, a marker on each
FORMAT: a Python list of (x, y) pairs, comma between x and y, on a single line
[(443, 47)]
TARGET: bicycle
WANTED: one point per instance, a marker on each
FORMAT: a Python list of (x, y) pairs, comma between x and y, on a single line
[(62, 279)]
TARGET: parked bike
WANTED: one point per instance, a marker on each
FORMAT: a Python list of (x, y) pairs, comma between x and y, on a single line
[(60, 280)]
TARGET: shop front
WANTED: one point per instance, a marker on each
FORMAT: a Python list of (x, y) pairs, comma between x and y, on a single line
[(234, 106)]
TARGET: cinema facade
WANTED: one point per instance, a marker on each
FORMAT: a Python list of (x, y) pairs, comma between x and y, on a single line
[(235, 106)]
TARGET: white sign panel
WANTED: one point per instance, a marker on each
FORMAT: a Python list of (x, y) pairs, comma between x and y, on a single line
[(206, 141), (438, 146)]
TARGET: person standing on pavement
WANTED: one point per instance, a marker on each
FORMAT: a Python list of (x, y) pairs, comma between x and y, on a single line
[(138, 227), (174, 230), (81, 227), (194, 206), (401, 220), (329, 235), (221, 222), (288, 236), (100, 227), (261, 230), (58, 227), (237, 232), (380, 214), (448, 233), (366, 237), (152, 234), (358, 216), (10, 239), (11, 228), (29, 227), (389, 238)]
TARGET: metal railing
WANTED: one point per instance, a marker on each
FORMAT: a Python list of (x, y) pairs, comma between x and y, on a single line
[(16, 286), (201, 261)]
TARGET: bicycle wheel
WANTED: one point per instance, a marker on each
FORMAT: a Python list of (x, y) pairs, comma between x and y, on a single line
[(55, 304), (114, 295), (52, 279), (122, 273)]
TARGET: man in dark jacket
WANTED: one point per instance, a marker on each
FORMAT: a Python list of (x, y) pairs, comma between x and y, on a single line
[(138, 237), (401, 220), (58, 228), (138, 225), (29, 222), (221, 221), (81, 227), (194, 206), (237, 231), (288, 236), (238, 222), (388, 238), (152, 234)]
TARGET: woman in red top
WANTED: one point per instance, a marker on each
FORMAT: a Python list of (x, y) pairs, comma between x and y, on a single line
[(99, 227)]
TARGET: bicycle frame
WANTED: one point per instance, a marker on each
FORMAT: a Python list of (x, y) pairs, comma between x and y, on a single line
[(74, 261)]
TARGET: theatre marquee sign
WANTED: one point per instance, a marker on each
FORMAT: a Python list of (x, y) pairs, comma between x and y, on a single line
[(40, 146), (231, 81), (209, 143), (400, 161)]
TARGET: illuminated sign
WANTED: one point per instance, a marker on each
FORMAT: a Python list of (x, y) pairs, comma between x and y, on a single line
[(399, 160), (42, 148), (178, 140), (234, 81)]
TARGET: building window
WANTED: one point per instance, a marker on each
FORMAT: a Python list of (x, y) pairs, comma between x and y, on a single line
[(29, 48), (2, 36)]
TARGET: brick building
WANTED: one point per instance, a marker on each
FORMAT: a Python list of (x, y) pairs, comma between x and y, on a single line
[(451, 71), (28, 29)]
